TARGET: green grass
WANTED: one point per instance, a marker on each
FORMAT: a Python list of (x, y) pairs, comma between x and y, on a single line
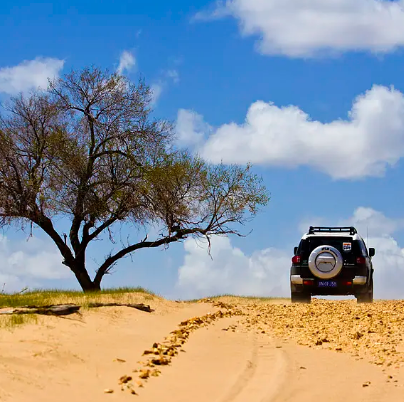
[(39, 297)]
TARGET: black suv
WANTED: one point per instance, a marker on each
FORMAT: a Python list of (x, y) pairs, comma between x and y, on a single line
[(332, 261)]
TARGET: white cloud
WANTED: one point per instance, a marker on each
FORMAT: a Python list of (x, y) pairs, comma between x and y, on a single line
[(367, 221), (190, 128), (266, 272), (389, 267), (159, 86), (27, 263), (365, 144), (375, 223), (173, 75), (126, 62), (29, 75), (157, 90), (305, 28), (389, 259)]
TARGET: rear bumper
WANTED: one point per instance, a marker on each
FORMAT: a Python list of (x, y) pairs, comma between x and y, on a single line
[(347, 272), (298, 280), (344, 287)]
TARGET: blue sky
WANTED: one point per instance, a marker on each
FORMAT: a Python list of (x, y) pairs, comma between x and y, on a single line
[(272, 82)]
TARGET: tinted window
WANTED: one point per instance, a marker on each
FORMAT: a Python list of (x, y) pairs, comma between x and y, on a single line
[(362, 248), (351, 248)]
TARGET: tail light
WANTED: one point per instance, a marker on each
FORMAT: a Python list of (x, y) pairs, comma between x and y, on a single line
[(361, 260), (296, 259)]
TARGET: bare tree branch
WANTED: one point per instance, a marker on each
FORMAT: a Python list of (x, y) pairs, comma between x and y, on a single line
[(143, 244), (87, 150)]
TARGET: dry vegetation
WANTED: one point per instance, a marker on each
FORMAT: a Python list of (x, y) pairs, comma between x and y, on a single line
[(54, 296), (9, 322)]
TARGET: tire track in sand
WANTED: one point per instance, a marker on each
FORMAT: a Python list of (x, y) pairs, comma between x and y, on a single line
[(264, 376), (241, 366), (220, 365)]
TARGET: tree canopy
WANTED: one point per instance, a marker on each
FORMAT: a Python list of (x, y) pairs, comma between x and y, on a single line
[(88, 150)]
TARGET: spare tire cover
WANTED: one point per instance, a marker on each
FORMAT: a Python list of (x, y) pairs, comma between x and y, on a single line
[(325, 262)]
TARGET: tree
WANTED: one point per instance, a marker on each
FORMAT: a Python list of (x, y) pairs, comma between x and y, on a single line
[(87, 149)]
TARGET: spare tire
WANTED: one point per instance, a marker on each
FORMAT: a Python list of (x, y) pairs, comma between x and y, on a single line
[(325, 262)]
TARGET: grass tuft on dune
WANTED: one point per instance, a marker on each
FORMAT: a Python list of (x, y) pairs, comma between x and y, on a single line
[(41, 297), (11, 321)]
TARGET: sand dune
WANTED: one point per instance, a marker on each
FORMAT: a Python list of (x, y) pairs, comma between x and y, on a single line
[(272, 353)]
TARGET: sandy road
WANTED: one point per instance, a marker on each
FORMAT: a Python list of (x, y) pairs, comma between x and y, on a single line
[(255, 357), (75, 358), (227, 366), (223, 366)]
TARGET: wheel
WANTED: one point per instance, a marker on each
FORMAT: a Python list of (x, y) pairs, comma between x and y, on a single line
[(371, 291), (367, 296), (299, 297)]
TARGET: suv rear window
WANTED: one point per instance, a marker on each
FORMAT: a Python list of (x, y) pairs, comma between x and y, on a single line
[(356, 247)]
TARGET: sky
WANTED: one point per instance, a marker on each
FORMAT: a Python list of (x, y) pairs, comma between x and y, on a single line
[(310, 92)]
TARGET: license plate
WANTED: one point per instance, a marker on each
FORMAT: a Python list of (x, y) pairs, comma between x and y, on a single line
[(327, 284)]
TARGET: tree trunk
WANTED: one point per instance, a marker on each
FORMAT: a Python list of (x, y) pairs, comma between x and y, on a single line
[(84, 279)]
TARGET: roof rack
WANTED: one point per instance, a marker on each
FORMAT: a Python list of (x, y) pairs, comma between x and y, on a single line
[(339, 229)]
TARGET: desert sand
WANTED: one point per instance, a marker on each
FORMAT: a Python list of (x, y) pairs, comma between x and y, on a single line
[(216, 350)]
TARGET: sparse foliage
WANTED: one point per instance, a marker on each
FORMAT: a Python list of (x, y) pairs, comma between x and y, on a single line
[(87, 149)]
